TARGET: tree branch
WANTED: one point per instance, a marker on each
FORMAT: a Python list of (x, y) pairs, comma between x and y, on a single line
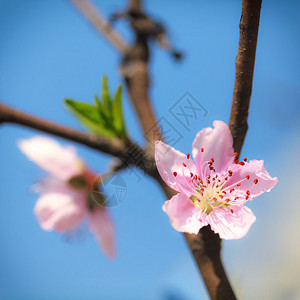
[(94, 16), (113, 147), (206, 246), (245, 61), (134, 69)]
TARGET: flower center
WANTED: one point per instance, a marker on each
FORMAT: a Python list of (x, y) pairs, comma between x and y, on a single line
[(213, 190)]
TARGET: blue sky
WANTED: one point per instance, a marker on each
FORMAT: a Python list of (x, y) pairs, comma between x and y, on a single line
[(49, 52)]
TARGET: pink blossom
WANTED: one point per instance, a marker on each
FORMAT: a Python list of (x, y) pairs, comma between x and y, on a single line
[(63, 203), (214, 187)]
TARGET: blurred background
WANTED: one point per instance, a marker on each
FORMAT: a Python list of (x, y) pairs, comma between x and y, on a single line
[(49, 52)]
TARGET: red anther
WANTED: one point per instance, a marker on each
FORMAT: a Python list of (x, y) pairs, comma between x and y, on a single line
[(235, 154), (223, 192), (198, 200), (236, 198), (200, 220), (255, 181), (237, 161), (208, 182), (188, 156), (204, 186), (231, 211), (212, 159), (226, 178), (245, 159), (191, 174), (241, 163), (247, 197), (202, 190), (221, 196), (238, 184), (184, 164), (195, 176), (214, 169), (175, 174), (202, 149), (209, 163), (227, 200), (248, 192), (248, 177), (230, 173), (231, 190), (211, 168)]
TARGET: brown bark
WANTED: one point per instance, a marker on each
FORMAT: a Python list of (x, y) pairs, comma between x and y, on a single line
[(244, 63)]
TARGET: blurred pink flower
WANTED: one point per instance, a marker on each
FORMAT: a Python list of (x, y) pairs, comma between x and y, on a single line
[(63, 203), (214, 188)]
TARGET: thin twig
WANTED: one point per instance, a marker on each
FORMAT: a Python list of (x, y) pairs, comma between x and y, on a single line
[(94, 16), (244, 71), (134, 69)]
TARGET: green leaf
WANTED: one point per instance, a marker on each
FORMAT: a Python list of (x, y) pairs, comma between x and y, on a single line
[(117, 112), (90, 117), (103, 112), (105, 94)]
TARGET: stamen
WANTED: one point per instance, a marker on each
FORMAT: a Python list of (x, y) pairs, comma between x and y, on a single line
[(241, 163), (245, 159), (248, 192), (248, 177), (212, 159), (235, 154), (255, 181), (188, 156), (237, 161), (184, 164), (175, 174), (202, 149)]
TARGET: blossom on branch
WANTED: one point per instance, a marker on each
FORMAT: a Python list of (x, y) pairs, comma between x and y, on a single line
[(214, 187), (65, 199)]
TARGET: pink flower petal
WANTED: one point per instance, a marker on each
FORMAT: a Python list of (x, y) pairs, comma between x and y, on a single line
[(60, 211), (255, 169), (170, 166), (60, 162), (102, 228), (216, 143), (183, 214), (231, 222)]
